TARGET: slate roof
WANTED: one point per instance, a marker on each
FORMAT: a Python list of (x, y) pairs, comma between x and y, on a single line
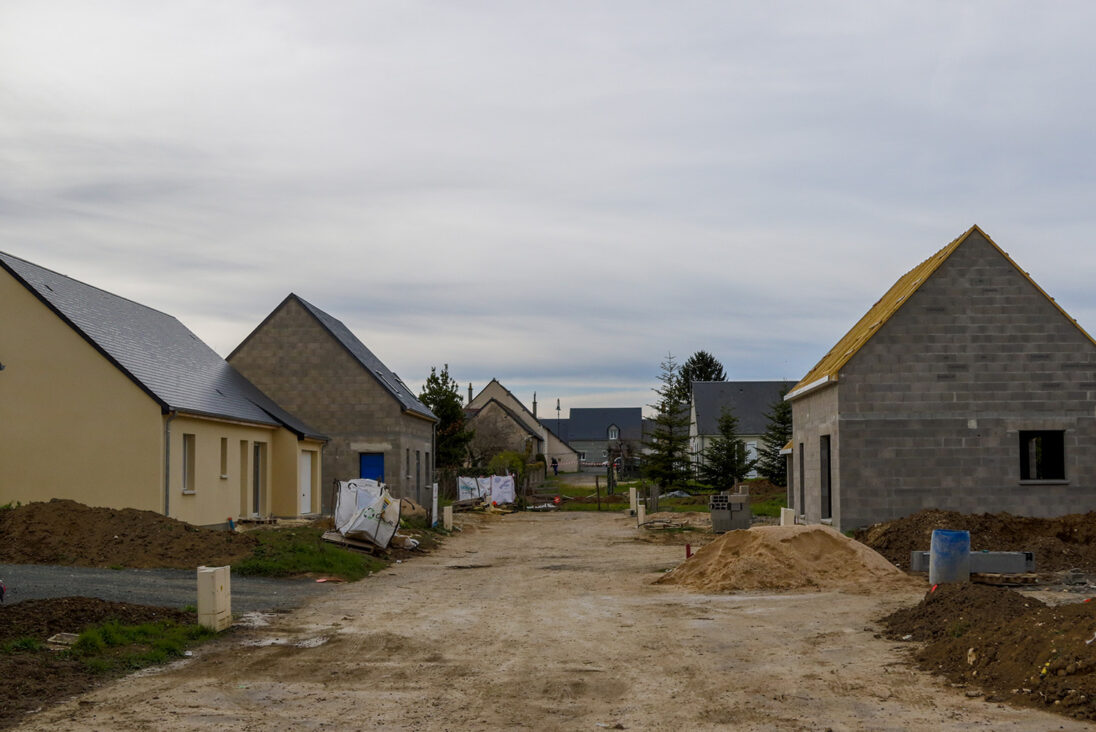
[(387, 378), (748, 400), (563, 431), (827, 369), (592, 423), (160, 354)]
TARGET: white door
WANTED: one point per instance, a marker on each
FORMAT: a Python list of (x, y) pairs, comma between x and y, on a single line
[(304, 488)]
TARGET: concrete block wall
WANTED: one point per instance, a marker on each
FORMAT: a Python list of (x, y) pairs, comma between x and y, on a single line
[(930, 409), (300, 365)]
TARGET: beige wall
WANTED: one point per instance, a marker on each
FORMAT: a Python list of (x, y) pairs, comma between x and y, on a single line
[(218, 496), (71, 424)]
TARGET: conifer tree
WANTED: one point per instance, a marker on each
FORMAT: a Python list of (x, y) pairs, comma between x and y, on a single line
[(778, 431), (667, 439), (725, 460)]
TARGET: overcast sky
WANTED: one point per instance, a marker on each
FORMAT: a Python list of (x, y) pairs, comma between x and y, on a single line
[(556, 194)]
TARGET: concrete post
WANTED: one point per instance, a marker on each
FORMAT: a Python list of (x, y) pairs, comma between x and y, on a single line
[(632, 500), (641, 514), (447, 518)]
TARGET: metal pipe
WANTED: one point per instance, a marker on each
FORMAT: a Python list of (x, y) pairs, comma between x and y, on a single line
[(167, 462)]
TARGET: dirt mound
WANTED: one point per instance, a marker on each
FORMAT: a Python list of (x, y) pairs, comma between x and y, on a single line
[(1060, 543), (786, 558), (1013, 648), (70, 533)]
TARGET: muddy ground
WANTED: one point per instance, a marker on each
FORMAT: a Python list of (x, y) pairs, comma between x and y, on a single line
[(551, 621), (1062, 543), (33, 680)]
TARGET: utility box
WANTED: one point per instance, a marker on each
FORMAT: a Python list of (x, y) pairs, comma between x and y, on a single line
[(214, 597), (730, 512)]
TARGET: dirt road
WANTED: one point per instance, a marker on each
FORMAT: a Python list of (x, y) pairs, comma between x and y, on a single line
[(548, 622)]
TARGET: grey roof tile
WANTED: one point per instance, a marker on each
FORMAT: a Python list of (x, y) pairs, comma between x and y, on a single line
[(159, 353), (749, 400), (592, 423)]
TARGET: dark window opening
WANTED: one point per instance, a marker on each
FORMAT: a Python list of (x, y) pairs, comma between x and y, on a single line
[(802, 505), (824, 471), (1042, 455)]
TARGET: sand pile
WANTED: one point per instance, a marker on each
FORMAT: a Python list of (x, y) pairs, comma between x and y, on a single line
[(787, 558)]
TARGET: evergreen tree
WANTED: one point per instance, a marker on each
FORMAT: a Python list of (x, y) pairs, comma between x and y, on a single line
[(668, 438), (701, 366), (725, 461), (442, 395), (778, 431)]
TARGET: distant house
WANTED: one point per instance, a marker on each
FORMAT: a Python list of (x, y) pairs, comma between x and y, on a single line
[(600, 433), (965, 387), (499, 418), (749, 401), (111, 403), (377, 428)]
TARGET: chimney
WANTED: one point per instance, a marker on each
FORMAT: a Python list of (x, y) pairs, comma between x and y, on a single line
[(534, 405), (469, 392)]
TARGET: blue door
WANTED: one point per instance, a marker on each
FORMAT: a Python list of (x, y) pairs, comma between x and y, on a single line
[(372, 466)]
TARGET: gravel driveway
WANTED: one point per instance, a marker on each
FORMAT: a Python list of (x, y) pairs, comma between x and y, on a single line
[(166, 587)]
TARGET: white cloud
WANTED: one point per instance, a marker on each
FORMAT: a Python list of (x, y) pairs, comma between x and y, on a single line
[(553, 194)]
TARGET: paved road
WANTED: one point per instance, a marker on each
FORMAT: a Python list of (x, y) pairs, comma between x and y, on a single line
[(166, 587)]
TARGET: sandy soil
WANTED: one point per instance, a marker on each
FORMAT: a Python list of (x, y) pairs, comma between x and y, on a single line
[(550, 621)]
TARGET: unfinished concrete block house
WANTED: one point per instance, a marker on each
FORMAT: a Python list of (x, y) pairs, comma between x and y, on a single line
[(318, 369), (111, 403), (965, 387)]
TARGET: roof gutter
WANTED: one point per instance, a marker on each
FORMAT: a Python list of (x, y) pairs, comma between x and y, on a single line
[(808, 388)]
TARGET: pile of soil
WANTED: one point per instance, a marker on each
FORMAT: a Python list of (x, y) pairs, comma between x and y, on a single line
[(34, 679), (787, 558), (1012, 647), (1061, 543), (69, 533)]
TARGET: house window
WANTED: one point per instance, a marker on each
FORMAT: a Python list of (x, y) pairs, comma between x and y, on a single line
[(582, 455), (428, 470), (605, 453), (614, 432), (1042, 455), (188, 463), (224, 458), (418, 470), (824, 474)]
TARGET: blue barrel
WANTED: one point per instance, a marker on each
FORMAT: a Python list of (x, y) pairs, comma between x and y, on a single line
[(949, 556)]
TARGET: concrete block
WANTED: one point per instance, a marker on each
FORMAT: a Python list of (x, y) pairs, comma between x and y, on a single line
[(214, 597), (787, 517)]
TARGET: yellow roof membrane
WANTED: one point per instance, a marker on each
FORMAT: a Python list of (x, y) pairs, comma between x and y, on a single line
[(826, 370)]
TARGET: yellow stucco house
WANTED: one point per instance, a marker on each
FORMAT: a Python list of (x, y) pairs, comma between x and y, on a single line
[(111, 403)]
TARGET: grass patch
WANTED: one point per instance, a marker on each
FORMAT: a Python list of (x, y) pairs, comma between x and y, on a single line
[(113, 647), (25, 644), (289, 552), (770, 507)]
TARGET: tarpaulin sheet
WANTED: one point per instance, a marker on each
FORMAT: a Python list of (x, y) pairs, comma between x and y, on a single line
[(366, 510), (502, 489)]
